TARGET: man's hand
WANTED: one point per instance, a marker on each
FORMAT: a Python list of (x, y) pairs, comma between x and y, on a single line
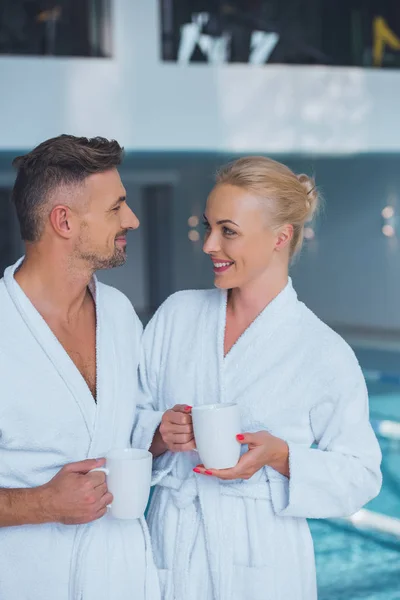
[(176, 429), (75, 495)]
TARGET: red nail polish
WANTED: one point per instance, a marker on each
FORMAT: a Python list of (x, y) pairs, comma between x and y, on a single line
[(208, 472), (196, 470), (188, 407), (240, 437)]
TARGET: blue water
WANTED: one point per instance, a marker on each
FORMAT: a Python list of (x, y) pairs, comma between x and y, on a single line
[(354, 564)]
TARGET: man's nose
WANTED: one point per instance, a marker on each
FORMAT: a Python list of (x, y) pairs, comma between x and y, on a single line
[(129, 220)]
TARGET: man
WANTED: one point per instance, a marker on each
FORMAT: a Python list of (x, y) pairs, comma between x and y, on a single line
[(69, 347)]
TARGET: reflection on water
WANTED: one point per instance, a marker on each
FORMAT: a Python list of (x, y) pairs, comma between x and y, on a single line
[(360, 564)]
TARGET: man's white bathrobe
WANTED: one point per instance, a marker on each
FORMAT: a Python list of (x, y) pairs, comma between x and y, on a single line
[(292, 376), (48, 418)]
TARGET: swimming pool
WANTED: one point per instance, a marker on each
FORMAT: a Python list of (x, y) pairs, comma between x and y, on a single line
[(354, 564)]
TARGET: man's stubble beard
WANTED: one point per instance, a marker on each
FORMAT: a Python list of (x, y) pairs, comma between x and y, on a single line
[(95, 261), (98, 263)]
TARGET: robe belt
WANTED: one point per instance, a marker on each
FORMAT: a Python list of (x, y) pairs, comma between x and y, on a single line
[(185, 491), (208, 490)]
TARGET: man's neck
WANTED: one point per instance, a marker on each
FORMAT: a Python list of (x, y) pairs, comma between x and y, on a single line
[(54, 284)]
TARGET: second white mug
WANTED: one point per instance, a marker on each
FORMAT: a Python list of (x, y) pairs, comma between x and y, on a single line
[(215, 429), (128, 479)]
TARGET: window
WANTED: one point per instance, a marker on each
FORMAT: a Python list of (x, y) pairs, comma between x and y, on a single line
[(332, 32), (55, 27)]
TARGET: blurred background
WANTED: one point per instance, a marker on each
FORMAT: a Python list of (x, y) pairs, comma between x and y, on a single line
[(185, 86)]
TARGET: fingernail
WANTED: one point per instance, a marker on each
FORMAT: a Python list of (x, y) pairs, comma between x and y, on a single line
[(196, 470), (188, 407), (240, 437), (208, 472)]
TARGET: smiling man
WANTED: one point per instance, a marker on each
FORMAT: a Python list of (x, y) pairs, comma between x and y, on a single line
[(68, 350)]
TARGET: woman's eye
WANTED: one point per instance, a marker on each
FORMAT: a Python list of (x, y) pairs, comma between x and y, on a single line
[(228, 231)]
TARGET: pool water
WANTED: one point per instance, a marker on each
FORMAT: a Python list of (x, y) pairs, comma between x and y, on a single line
[(355, 564)]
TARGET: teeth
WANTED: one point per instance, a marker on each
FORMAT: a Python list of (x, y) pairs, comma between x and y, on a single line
[(219, 265)]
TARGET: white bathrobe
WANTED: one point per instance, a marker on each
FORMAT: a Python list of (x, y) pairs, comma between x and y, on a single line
[(292, 376), (49, 418)]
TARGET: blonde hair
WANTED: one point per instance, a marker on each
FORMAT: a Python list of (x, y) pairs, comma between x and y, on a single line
[(290, 198)]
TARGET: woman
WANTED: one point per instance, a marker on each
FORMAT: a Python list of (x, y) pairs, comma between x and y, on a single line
[(242, 533)]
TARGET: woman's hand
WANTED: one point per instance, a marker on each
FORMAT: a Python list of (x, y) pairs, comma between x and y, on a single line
[(176, 429), (264, 450)]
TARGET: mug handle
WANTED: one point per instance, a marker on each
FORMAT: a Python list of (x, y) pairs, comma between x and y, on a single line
[(103, 470)]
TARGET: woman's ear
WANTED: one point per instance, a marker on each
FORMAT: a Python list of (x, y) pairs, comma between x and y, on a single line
[(284, 237)]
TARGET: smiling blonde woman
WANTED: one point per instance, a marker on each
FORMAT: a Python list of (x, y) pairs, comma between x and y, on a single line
[(241, 533)]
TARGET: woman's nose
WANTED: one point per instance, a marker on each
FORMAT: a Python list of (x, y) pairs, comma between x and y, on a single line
[(211, 243)]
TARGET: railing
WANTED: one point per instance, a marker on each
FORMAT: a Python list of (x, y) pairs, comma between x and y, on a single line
[(381, 377)]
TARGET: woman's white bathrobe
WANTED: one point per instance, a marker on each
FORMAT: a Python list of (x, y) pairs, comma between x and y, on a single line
[(48, 418), (292, 376)]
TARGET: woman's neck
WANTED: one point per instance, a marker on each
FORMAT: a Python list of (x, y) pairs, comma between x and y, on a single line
[(247, 302)]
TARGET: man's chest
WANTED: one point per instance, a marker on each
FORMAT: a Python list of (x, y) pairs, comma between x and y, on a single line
[(80, 345)]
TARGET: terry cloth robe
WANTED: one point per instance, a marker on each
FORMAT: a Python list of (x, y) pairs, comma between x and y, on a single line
[(49, 418), (292, 376)]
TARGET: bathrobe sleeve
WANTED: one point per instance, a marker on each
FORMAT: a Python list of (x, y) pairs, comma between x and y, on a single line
[(148, 413), (151, 406), (343, 473)]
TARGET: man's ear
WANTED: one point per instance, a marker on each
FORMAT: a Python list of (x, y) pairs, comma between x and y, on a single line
[(61, 220)]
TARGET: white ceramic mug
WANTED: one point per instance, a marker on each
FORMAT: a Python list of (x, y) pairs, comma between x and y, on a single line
[(128, 479), (215, 429)]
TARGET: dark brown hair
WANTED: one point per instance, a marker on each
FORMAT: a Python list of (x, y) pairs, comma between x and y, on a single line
[(59, 161)]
